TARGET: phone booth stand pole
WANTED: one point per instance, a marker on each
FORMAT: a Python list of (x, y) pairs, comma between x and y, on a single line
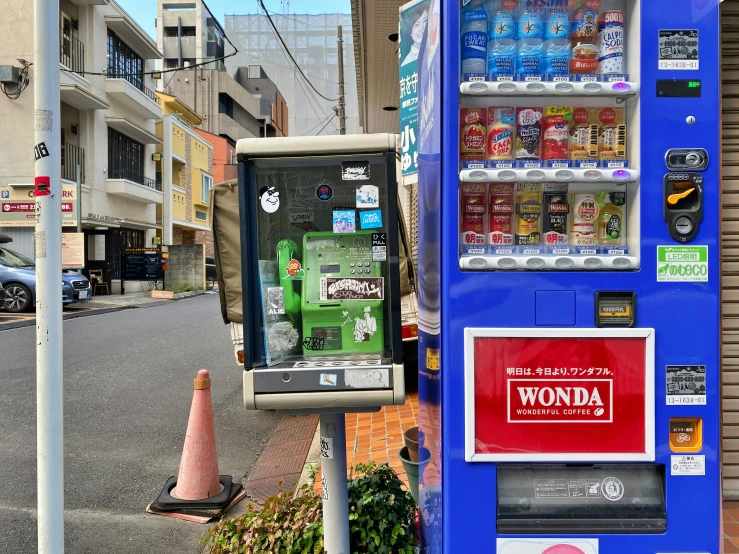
[(334, 484)]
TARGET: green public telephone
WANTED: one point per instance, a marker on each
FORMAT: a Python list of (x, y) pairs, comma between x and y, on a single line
[(342, 295)]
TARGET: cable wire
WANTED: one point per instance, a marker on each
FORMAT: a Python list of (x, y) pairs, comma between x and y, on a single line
[(323, 121), (287, 50), (21, 84), (329, 121)]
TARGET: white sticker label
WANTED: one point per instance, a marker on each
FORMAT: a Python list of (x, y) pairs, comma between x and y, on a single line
[(327, 448), (40, 238), (686, 385), (688, 465), (368, 196)]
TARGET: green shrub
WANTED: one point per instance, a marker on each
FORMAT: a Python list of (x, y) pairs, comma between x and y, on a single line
[(380, 520), (380, 512), (286, 524), (183, 287)]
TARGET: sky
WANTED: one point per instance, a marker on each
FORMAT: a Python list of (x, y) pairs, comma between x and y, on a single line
[(144, 12)]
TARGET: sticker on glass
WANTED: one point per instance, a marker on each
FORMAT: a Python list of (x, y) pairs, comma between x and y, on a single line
[(686, 384), (355, 171), (270, 199), (303, 221), (530, 545), (678, 49), (365, 326), (368, 196), (352, 288), (345, 221), (687, 465), (379, 247), (371, 219), (612, 489), (275, 300), (324, 192), (294, 271)]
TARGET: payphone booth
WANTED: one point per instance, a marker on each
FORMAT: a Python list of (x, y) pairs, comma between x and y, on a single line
[(569, 197)]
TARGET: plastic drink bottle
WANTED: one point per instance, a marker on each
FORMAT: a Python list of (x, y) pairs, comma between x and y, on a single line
[(530, 43), (502, 57), (556, 54), (474, 37)]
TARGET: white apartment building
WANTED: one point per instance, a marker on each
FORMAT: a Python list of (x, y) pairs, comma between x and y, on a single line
[(108, 117)]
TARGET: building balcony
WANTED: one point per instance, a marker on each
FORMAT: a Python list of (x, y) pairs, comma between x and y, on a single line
[(131, 92), (72, 156), (90, 2), (131, 129), (72, 52), (133, 35), (133, 186)]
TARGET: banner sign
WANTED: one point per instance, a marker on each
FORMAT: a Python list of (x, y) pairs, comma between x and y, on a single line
[(535, 396), (18, 206), (412, 28), (73, 250)]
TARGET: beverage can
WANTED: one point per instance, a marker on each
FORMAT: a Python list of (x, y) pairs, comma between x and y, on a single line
[(472, 225), (584, 216), (611, 42), (473, 133), (556, 212), (528, 214), (500, 207), (528, 133)]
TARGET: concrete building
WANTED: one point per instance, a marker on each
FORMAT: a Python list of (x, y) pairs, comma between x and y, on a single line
[(225, 167), (108, 113), (187, 33), (312, 40), (185, 172)]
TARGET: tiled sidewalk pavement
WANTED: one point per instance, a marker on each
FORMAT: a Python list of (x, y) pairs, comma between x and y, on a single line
[(378, 436), (731, 527)]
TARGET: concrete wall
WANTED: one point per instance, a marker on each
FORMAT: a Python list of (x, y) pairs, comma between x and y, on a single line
[(186, 265)]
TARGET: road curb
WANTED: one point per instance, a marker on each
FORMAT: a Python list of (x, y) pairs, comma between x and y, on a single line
[(32, 322)]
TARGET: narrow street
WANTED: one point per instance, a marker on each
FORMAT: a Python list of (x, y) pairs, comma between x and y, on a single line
[(128, 383)]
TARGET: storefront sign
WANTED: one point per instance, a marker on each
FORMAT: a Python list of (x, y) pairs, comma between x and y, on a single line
[(554, 394), (18, 206)]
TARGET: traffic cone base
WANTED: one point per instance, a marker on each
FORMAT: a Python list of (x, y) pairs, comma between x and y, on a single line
[(198, 491)]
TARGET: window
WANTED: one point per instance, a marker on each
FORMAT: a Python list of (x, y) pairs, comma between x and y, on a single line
[(170, 63), (225, 104), (125, 158), (188, 31), (202, 216), (170, 32), (207, 185), (123, 62), (124, 238)]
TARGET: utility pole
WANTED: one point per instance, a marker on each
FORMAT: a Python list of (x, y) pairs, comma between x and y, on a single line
[(342, 98), (48, 245)]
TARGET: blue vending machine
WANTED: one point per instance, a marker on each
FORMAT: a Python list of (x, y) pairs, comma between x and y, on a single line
[(569, 277)]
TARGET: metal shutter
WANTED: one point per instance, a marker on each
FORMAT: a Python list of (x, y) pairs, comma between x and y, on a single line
[(730, 245)]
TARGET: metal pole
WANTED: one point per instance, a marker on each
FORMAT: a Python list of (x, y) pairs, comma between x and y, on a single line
[(342, 98), (48, 244), (333, 484), (79, 199)]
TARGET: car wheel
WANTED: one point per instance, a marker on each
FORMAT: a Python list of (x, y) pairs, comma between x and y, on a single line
[(17, 298)]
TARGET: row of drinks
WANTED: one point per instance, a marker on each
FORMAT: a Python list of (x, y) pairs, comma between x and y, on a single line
[(498, 217), (585, 135), (569, 37)]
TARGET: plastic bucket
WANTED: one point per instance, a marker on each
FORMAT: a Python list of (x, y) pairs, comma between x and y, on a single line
[(412, 469)]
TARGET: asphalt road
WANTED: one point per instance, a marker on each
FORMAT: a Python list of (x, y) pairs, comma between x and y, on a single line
[(128, 384)]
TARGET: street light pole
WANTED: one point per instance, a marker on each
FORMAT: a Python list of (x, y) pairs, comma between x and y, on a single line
[(342, 98), (48, 245)]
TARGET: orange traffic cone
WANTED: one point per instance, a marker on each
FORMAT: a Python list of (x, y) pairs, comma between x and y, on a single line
[(198, 476), (198, 493)]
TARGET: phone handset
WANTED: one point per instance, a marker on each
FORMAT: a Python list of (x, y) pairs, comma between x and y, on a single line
[(287, 255)]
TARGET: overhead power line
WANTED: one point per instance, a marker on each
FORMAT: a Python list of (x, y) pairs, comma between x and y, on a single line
[(289, 54), (329, 121)]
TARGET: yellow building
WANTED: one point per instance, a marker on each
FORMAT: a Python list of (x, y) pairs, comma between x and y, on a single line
[(185, 169)]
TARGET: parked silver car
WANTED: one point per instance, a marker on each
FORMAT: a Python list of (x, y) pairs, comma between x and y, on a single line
[(18, 278)]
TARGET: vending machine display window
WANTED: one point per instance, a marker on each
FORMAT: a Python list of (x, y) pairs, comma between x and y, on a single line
[(549, 136)]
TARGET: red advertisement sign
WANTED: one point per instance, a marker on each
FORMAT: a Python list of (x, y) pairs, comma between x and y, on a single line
[(12, 207), (584, 398)]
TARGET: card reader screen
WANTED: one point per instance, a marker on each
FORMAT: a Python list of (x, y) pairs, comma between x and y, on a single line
[(333, 268)]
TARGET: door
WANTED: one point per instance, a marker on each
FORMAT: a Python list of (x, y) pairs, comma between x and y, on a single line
[(66, 38)]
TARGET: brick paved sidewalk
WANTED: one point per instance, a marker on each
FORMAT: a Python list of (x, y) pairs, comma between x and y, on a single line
[(378, 436)]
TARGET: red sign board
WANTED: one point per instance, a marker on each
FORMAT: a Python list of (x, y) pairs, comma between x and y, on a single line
[(13, 207), (559, 397)]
